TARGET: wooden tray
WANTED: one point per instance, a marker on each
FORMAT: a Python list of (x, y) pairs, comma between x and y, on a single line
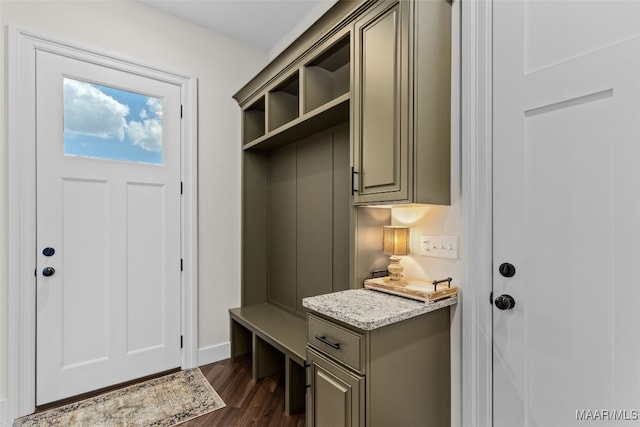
[(417, 289)]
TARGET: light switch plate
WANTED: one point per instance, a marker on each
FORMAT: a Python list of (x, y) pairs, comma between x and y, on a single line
[(439, 246)]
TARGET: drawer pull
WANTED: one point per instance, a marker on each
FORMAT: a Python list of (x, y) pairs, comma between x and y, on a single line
[(324, 339)]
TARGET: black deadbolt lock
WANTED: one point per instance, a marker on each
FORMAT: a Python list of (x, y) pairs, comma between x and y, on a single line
[(507, 270), (48, 251)]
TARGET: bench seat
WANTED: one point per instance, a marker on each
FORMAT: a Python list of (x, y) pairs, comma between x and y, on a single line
[(277, 341)]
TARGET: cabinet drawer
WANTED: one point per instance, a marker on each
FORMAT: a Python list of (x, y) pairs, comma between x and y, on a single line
[(342, 344)]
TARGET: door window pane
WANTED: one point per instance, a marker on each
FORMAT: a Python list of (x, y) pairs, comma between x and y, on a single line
[(108, 123)]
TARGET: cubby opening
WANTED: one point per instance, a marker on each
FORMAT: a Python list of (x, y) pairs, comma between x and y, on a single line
[(327, 76), (284, 102), (254, 121)]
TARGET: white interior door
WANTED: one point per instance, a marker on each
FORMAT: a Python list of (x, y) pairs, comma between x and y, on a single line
[(108, 204), (567, 212)]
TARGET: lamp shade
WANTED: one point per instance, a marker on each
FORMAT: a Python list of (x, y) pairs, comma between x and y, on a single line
[(395, 240)]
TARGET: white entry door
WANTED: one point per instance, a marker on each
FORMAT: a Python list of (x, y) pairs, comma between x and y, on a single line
[(108, 226), (566, 213)]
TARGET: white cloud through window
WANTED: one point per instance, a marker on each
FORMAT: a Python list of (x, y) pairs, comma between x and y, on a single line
[(146, 134), (90, 111)]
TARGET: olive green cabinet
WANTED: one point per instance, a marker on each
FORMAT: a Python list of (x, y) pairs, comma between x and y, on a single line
[(401, 103), (356, 111), (381, 123), (336, 395), (394, 375)]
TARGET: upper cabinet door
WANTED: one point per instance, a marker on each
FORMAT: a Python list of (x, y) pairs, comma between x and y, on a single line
[(402, 103), (380, 108)]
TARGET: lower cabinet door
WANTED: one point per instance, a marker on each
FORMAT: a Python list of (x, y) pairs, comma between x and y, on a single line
[(335, 397)]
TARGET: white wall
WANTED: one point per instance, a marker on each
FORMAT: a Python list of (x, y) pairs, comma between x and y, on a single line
[(318, 10), (222, 65)]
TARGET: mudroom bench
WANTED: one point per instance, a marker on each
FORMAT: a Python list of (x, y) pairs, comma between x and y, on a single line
[(277, 341)]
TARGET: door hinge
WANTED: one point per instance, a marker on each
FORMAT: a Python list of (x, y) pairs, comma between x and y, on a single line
[(181, 264), (180, 111), (181, 341)]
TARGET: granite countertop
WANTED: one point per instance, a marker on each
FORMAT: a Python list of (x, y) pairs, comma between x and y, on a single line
[(367, 309)]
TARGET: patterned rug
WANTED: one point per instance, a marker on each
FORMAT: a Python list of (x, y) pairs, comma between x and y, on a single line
[(162, 402)]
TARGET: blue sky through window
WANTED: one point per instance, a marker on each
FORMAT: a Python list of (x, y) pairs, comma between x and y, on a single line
[(109, 123)]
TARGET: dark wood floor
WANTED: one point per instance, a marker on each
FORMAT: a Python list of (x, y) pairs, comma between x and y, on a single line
[(249, 403)]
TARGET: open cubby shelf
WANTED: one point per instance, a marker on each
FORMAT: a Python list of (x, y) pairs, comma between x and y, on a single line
[(334, 112), (284, 102), (327, 76), (254, 121), (314, 97)]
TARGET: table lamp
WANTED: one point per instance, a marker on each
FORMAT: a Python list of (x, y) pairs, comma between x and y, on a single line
[(395, 243)]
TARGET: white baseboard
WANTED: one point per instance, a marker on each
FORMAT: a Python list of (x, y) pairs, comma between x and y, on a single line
[(214, 353), (5, 421)]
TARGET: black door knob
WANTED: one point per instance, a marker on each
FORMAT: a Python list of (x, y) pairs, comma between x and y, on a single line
[(507, 270), (48, 271), (505, 302)]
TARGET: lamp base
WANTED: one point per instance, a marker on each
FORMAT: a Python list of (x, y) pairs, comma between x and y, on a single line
[(395, 272)]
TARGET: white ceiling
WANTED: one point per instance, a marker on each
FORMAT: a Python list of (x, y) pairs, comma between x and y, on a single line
[(261, 23)]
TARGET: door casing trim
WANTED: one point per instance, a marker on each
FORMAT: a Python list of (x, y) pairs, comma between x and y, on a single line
[(477, 212), (21, 266)]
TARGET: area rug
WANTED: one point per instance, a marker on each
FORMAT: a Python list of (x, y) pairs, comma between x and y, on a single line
[(162, 402)]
